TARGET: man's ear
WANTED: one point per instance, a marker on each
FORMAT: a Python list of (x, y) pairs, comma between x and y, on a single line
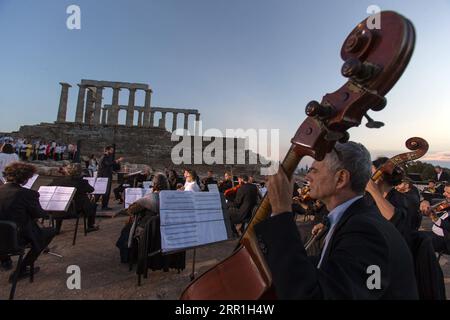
[(342, 179)]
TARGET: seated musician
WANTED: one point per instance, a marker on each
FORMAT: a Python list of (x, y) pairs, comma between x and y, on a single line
[(431, 187), (358, 237), (441, 223), (148, 205), (413, 197), (226, 184), (240, 210), (191, 181), (392, 204), (230, 194), (209, 179), (83, 204), (145, 175), (21, 205)]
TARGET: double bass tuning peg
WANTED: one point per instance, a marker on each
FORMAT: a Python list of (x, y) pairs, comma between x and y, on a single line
[(372, 124)]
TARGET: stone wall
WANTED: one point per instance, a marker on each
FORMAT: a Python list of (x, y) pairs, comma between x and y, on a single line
[(145, 146)]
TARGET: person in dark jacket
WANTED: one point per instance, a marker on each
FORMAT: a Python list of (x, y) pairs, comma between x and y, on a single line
[(413, 199), (240, 210), (83, 203), (392, 204), (364, 256), (107, 165), (21, 206)]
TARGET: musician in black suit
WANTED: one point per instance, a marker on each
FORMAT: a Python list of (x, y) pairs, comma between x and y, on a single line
[(392, 204), (83, 203), (106, 168), (441, 178), (227, 183), (240, 209), (440, 232), (364, 256), (413, 198), (21, 205)]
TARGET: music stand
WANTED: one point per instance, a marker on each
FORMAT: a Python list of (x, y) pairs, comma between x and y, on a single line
[(190, 220)]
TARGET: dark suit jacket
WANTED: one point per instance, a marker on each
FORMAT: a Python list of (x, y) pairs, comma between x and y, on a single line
[(361, 238), (246, 199), (107, 166), (444, 177), (21, 205)]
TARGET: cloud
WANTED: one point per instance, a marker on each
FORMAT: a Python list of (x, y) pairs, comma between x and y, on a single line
[(438, 156)]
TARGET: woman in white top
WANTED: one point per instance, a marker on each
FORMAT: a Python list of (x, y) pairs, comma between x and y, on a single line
[(191, 183), (7, 156)]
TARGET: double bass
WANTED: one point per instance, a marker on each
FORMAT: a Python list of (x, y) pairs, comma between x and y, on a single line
[(374, 59), (419, 147)]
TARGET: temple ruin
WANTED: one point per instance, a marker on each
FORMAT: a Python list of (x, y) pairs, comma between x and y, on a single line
[(90, 109)]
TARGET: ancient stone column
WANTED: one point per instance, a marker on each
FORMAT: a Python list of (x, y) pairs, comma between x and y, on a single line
[(130, 109), (152, 118), (98, 105), (62, 110), (113, 113), (197, 124), (104, 112), (80, 103), (147, 108), (162, 121), (174, 121), (140, 119), (186, 118), (90, 100)]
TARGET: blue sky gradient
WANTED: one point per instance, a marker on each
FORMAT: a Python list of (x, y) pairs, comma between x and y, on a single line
[(242, 63)]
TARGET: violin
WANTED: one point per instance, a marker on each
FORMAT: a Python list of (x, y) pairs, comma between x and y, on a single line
[(438, 207), (418, 146), (304, 195), (231, 193), (374, 60), (441, 206)]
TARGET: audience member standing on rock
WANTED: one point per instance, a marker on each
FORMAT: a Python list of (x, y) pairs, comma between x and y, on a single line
[(106, 168), (7, 156)]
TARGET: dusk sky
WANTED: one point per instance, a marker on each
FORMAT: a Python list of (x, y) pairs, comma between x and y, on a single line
[(242, 63)]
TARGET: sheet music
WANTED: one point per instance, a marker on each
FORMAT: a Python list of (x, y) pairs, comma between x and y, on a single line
[(190, 219), (132, 195), (147, 184), (213, 188), (99, 184), (31, 181), (56, 198)]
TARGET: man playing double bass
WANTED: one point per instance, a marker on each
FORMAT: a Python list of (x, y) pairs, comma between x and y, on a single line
[(358, 242)]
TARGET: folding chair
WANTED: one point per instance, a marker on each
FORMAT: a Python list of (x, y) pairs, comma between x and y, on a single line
[(9, 247)]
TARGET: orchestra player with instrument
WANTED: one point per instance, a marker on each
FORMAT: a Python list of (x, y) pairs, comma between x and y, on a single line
[(358, 236), (393, 205), (270, 260), (439, 214)]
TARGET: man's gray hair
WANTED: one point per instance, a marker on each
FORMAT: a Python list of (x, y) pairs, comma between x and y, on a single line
[(354, 158)]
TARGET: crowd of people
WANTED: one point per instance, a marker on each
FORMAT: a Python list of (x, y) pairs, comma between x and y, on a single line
[(31, 150)]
